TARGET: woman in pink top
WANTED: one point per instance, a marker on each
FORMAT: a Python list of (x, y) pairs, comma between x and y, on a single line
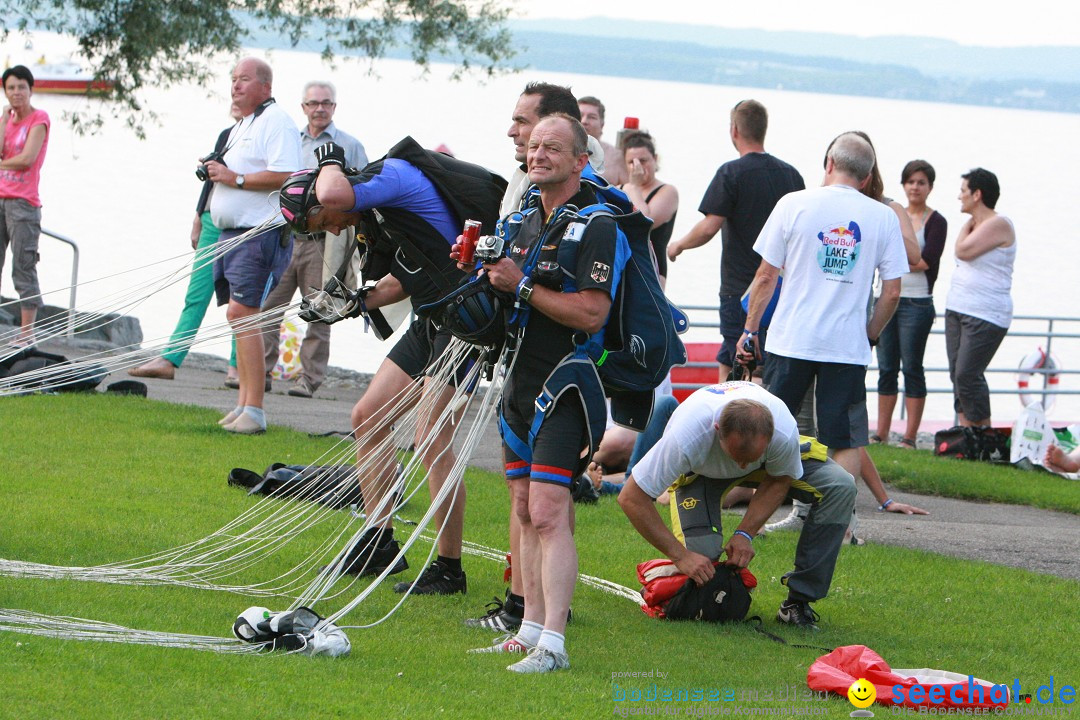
[(25, 132)]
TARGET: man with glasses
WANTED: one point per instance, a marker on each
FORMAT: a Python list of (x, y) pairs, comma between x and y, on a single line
[(305, 272)]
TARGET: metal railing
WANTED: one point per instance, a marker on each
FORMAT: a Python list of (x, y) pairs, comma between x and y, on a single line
[(1048, 336), (74, 276)]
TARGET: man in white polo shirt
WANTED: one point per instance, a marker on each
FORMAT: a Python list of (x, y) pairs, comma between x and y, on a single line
[(262, 150)]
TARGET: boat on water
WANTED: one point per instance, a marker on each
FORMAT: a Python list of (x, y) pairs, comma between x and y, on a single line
[(65, 77)]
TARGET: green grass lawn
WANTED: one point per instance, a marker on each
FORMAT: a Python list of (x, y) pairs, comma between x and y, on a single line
[(920, 471), (94, 479)]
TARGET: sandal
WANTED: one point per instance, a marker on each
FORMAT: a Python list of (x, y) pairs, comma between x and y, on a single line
[(875, 439), (907, 442)]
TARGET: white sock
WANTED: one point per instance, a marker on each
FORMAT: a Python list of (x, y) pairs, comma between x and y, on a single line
[(256, 414), (238, 411), (552, 641), (529, 633)]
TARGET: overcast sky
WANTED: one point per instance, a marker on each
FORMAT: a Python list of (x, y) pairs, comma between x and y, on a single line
[(971, 22)]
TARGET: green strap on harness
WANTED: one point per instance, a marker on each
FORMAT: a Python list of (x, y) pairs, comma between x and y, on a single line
[(603, 357)]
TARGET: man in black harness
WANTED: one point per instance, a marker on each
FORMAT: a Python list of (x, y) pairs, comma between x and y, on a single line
[(409, 208), (542, 461)]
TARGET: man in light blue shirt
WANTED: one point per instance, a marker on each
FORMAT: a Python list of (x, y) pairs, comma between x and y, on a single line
[(320, 102), (305, 272)]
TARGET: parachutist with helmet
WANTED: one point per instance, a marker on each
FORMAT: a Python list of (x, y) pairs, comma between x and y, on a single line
[(408, 208)]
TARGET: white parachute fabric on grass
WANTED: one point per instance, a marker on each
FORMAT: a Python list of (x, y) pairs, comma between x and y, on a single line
[(75, 628), (215, 561), (300, 631), (258, 534), (226, 559)]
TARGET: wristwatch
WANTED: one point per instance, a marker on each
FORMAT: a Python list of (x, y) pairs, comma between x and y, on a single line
[(524, 290), (239, 182)]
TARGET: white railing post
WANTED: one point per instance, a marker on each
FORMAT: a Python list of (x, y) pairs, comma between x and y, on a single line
[(74, 277)]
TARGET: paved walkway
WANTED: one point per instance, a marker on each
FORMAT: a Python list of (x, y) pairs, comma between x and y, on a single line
[(1017, 536)]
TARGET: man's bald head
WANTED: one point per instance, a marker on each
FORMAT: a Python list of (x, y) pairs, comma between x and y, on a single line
[(745, 429), (259, 68), (252, 84)]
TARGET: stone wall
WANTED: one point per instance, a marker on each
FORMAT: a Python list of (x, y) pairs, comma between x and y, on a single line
[(93, 329)]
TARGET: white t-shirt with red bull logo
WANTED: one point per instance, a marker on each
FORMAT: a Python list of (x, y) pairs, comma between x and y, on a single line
[(829, 241)]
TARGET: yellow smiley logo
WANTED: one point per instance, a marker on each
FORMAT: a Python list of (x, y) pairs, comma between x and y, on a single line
[(862, 693), (689, 503)]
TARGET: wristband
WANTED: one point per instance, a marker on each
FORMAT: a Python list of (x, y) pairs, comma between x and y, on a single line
[(885, 505), (752, 334), (744, 534), (524, 289)]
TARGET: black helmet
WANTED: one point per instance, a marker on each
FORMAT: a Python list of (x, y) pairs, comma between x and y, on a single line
[(297, 197), (473, 313)]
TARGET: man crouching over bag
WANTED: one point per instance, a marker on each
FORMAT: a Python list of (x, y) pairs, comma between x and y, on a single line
[(731, 434)]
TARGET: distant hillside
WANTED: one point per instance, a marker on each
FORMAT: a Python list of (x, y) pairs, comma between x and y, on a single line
[(910, 68), (931, 56), (686, 61)]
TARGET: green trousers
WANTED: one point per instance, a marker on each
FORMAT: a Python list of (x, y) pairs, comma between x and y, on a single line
[(199, 293)]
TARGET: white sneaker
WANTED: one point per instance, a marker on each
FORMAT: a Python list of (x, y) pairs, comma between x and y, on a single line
[(793, 521), (506, 644), (229, 419), (540, 660), (244, 424)]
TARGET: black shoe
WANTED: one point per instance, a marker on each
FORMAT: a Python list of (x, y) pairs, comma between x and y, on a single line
[(363, 559), (234, 383), (504, 617), (437, 579), (798, 613)]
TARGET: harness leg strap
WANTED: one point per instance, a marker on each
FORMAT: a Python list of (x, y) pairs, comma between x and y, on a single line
[(576, 373)]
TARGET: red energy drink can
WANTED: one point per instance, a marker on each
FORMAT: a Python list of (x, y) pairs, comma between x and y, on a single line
[(470, 234)]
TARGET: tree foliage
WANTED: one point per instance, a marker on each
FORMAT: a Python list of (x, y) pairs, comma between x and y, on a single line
[(137, 44)]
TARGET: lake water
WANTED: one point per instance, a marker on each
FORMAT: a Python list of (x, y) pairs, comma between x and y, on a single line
[(129, 202)]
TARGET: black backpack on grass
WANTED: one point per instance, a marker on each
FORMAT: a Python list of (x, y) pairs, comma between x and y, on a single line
[(333, 485), (724, 598), (63, 376), (973, 443)]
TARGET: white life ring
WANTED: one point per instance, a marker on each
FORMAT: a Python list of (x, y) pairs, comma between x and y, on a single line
[(1039, 359)]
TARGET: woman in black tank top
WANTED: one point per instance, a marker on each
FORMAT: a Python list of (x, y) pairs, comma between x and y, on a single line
[(652, 197)]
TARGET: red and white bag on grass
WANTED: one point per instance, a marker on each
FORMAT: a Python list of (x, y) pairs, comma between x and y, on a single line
[(661, 581), (837, 671)]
